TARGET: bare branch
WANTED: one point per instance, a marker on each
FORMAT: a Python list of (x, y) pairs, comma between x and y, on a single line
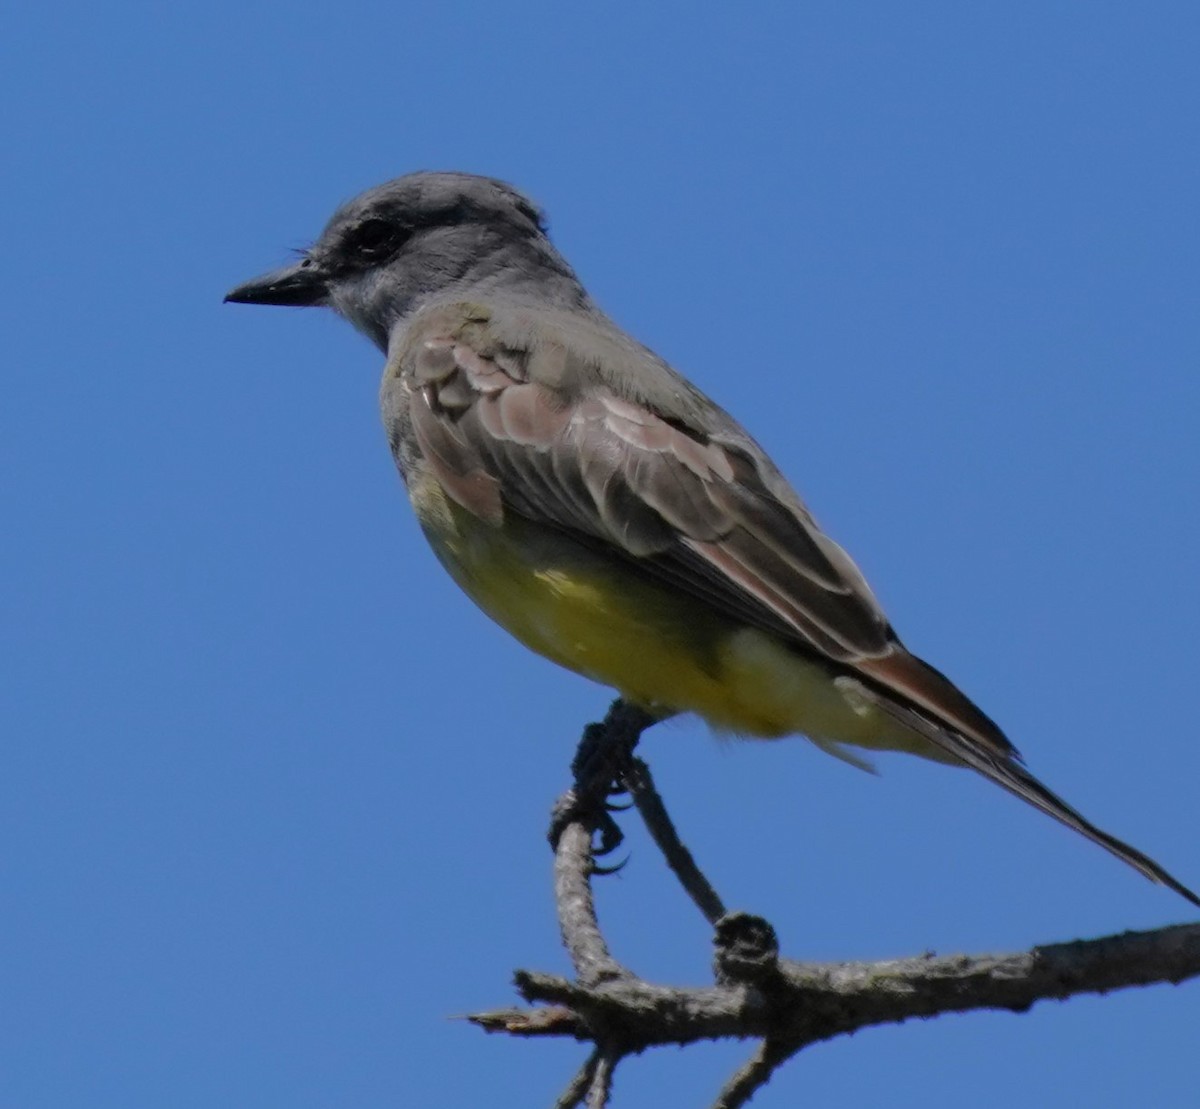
[(580, 1086), (577, 909), (602, 1080), (785, 1005), (813, 1001), (546, 1020), (926, 986), (757, 1072), (653, 812)]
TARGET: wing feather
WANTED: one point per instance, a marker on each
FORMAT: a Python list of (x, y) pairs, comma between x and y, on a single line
[(689, 507)]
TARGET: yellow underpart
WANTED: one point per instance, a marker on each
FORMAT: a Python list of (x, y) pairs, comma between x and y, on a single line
[(658, 648)]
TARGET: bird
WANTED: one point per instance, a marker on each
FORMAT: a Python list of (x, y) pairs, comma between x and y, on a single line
[(603, 510)]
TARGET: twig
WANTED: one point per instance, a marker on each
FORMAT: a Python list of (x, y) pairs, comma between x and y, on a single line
[(546, 1020), (650, 807), (602, 1079), (756, 1073), (577, 908), (580, 1086)]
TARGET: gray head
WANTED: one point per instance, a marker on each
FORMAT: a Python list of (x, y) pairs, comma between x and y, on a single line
[(396, 246)]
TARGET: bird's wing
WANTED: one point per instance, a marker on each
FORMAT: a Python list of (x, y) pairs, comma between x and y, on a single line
[(514, 416), (521, 419)]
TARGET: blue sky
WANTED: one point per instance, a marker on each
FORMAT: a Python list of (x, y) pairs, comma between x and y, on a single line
[(274, 794)]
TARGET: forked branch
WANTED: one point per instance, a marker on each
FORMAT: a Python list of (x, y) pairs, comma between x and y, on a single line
[(782, 1004)]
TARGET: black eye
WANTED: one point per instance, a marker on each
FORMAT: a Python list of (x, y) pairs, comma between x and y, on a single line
[(374, 238)]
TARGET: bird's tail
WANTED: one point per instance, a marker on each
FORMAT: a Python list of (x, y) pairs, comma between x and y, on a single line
[(985, 749)]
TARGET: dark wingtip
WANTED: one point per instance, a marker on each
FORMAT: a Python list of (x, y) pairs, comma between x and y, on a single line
[(1162, 877), (1019, 781)]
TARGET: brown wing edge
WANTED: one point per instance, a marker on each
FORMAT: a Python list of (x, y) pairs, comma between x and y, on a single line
[(929, 690)]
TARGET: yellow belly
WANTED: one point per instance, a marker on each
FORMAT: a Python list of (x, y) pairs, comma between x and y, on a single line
[(658, 648)]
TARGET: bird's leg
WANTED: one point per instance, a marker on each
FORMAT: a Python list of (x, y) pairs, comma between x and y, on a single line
[(602, 759)]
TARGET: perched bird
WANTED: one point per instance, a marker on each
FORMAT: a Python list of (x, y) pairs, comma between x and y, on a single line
[(603, 510)]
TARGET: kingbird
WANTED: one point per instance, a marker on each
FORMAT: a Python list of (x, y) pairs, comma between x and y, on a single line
[(602, 509)]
